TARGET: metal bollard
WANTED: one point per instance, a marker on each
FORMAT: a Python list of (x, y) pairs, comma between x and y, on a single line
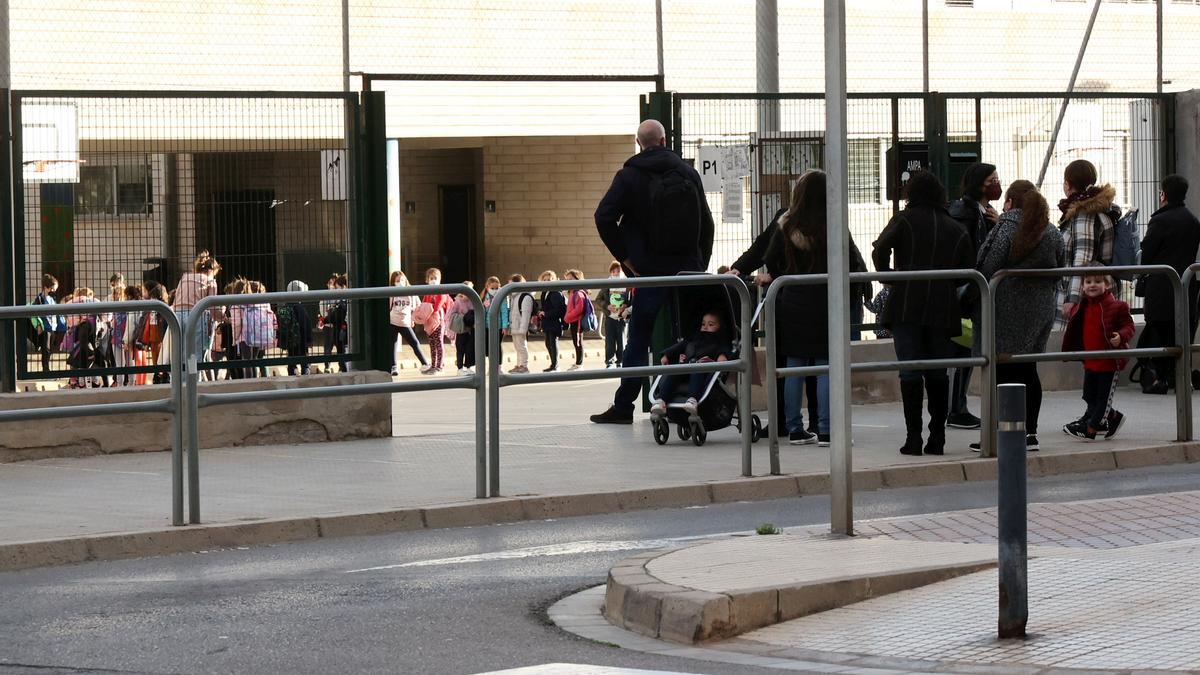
[(1014, 540)]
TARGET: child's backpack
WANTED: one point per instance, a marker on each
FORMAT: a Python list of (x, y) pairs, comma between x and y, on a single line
[(258, 326), (1127, 241), (457, 323), (289, 327), (588, 322)]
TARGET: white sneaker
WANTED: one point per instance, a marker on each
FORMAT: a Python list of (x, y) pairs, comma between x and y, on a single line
[(395, 372), (575, 366), (689, 406), (428, 370), (659, 408)]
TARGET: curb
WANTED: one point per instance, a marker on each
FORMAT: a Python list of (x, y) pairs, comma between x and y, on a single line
[(638, 601), (194, 538)]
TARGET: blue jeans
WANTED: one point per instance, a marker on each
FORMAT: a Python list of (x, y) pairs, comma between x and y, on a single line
[(643, 314), (696, 385), (793, 393)]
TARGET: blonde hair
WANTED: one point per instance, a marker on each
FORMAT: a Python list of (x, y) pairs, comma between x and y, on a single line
[(432, 271), (578, 274), (490, 281), (548, 275)]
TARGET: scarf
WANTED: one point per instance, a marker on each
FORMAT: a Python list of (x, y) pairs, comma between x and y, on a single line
[(1066, 203)]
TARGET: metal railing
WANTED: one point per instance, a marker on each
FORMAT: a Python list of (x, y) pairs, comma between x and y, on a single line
[(1183, 408), (170, 405), (196, 400), (841, 472), (1183, 328), (740, 365)]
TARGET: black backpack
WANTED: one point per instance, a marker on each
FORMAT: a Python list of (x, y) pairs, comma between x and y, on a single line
[(675, 213)]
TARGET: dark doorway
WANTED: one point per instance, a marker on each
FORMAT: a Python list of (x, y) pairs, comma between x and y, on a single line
[(242, 235), (457, 221)]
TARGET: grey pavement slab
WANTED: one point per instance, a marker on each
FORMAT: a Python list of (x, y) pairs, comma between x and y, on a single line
[(548, 447)]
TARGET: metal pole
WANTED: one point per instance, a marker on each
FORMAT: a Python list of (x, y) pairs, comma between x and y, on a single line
[(8, 286), (987, 372), (1062, 111), (493, 425), (192, 418), (772, 381), (482, 355), (838, 251), (1014, 554), (746, 351), (766, 62), (925, 46), (658, 34), (178, 411), (346, 46), (1183, 369), (1158, 10)]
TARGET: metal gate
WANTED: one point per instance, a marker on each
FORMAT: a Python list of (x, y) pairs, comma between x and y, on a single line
[(1130, 138), (137, 183)]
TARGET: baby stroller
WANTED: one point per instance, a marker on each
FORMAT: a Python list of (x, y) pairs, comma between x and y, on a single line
[(718, 407)]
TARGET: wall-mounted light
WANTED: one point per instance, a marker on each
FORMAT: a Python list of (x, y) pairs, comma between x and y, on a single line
[(410, 207), (489, 206)]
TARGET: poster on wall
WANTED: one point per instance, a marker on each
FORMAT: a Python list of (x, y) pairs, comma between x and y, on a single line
[(50, 142), (334, 175)]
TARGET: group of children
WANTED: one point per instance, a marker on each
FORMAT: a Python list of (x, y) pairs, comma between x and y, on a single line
[(446, 319)]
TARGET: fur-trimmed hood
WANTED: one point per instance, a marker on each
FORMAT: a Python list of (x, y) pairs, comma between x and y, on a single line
[(1101, 202)]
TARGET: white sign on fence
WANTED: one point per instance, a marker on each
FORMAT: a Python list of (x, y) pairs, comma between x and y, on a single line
[(334, 175), (50, 142)]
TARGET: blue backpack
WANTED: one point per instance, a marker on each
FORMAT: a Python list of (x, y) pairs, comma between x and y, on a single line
[(1126, 242), (589, 322)]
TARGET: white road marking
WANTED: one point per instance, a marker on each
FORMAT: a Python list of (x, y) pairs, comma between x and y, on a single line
[(569, 548)]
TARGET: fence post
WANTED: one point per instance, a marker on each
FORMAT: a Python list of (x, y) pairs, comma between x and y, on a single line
[(746, 352), (373, 227), (1013, 554), (771, 379), (493, 406), (988, 373), (191, 415), (8, 267), (1183, 368)]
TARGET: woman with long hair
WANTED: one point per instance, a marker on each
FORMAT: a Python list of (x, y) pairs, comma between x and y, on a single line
[(1023, 239)]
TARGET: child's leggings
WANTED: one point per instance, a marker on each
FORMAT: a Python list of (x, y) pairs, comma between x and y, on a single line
[(464, 347), (435, 348), (577, 340), (552, 348)]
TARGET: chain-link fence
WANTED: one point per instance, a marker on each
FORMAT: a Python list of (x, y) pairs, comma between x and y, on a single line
[(126, 189)]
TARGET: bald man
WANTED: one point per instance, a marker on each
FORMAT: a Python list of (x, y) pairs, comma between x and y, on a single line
[(656, 221)]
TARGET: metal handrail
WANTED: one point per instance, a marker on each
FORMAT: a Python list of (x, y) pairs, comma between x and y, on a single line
[(195, 400), (1183, 408), (163, 405), (498, 379), (773, 374)]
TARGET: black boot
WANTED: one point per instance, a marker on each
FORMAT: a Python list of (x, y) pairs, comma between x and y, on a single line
[(911, 394), (937, 389)]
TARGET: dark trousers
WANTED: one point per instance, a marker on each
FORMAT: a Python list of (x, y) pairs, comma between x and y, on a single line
[(577, 340), (464, 350), (645, 305), (1097, 392), (552, 348), (1026, 374), (335, 340), (1160, 334), (914, 342), (614, 340), (298, 368), (696, 385), (44, 349), (410, 338)]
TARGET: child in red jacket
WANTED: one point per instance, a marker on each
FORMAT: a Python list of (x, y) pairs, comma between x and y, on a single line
[(1099, 322)]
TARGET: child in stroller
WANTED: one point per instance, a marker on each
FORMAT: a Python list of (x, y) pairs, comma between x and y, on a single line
[(707, 345), (699, 402)]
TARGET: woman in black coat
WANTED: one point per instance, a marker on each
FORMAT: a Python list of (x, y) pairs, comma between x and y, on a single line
[(1172, 238), (923, 315), (795, 244)]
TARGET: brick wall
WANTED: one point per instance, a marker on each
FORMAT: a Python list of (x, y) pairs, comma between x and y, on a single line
[(546, 190), (421, 172)]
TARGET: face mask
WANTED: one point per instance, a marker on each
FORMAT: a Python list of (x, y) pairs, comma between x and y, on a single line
[(992, 191)]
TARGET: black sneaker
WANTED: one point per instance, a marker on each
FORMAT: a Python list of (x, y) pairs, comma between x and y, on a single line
[(823, 440), (1114, 421), (962, 420), (611, 416), (802, 437), (1079, 429), (1031, 443)]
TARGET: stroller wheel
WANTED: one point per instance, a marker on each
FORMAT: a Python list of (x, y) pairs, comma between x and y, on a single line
[(756, 429), (699, 435), (662, 431), (683, 431)]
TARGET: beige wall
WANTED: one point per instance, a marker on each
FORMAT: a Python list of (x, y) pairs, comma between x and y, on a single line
[(546, 191), (421, 172)]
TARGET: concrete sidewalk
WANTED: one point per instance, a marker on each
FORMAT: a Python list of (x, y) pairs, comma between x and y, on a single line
[(1110, 589), (553, 463)]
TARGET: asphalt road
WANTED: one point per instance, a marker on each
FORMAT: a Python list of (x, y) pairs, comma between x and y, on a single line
[(447, 601)]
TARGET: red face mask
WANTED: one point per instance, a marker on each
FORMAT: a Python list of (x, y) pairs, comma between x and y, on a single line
[(992, 191)]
